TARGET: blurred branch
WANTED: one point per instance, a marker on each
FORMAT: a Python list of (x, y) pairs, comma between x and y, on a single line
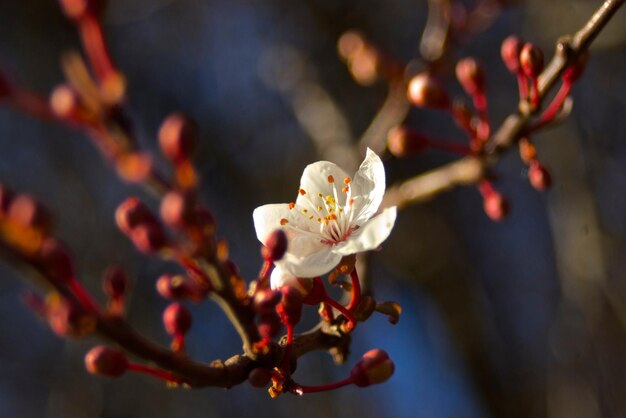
[(470, 170)]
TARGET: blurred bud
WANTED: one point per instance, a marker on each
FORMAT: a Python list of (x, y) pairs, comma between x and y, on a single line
[(291, 304), (374, 367), (404, 142), (531, 60), (115, 282), (574, 71), (266, 300), (539, 177), (496, 206), (74, 9), (364, 66), (178, 137), (179, 287), (471, 76), (350, 43), (56, 260), (6, 196), (106, 361), (135, 167), (425, 91), (510, 53), (527, 151), (177, 209), (176, 319), (269, 325), (149, 238), (68, 320), (64, 101), (27, 212), (275, 246), (260, 377), (132, 213), (112, 88)]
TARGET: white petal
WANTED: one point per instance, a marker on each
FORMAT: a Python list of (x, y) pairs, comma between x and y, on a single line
[(368, 187), (280, 278), (315, 180), (267, 219), (311, 265), (370, 235)]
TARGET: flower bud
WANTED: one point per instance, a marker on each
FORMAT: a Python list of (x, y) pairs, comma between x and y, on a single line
[(539, 177), (77, 9), (68, 320), (527, 151), (179, 287), (6, 196), (149, 238), (115, 282), (178, 137), (291, 304), (266, 300), (364, 66), (269, 325), (259, 377), (132, 213), (177, 209), (350, 43), (134, 167), (510, 52), (64, 101), (176, 319), (374, 367), (106, 361), (531, 60), (275, 246), (25, 211), (496, 206), (424, 91), (471, 76), (404, 142), (56, 260)]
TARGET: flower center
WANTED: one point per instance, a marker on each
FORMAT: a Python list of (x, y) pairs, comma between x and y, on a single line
[(323, 215)]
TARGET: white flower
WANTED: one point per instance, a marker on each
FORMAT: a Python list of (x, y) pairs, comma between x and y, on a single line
[(331, 218)]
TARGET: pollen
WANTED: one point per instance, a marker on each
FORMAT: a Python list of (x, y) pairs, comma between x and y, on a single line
[(347, 180), (320, 195), (291, 205), (284, 221), (345, 189), (302, 191), (310, 216), (305, 210), (332, 217), (331, 179), (319, 208)]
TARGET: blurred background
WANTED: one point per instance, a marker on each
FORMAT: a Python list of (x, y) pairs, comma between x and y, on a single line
[(523, 318)]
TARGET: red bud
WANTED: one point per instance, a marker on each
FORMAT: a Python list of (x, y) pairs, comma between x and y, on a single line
[(424, 91), (404, 142), (149, 238), (496, 206), (510, 53), (132, 213), (106, 361), (115, 282), (176, 319), (374, 367), (178, 137), (177, 209), (275, 246), (471, 76), (539, 177), (531, 60)]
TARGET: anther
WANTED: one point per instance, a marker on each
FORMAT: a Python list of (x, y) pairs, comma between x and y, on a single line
[(284, 221), (331, 179), (302, 192)]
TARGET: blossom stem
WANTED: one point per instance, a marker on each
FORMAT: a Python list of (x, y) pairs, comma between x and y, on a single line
[(264, 274), (286, 362), (450, 147), (95, 46), (536, 95), (554, 107), (522, 84), (159, 374), (327, 387), (342, 309), (83, 296), (356, 290)]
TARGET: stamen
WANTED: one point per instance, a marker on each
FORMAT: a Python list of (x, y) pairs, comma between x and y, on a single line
[(311, 216), (331, 179), (291, 205), (320, 195), (332, 217), (284, 221), (345, 189), (347, 180), (305, 210), (302, 192)]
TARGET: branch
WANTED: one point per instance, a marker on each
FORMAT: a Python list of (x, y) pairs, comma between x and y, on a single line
[(470, 170)]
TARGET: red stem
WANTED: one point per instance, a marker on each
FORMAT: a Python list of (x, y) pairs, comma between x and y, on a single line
[(553, 109), (450, 147), (486, 188), (159, 374), (345, 312), (522, 84), (264, 274), (355, 298), (95, 46), (535, 92), (324, 388), (83, 296)]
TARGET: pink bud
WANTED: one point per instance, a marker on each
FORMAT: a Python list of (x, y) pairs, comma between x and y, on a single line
[(275, 246), (132, 213), (496, 206), (374, 367), (27, 212), (176, 319), (404, 142), (539, 177), (531, 60), (471, 76), (149, 238), (106, 361), (291, 304), (178, 137), (177, 209), (510, 52), (68, 320), (424, 91), (115, 282)]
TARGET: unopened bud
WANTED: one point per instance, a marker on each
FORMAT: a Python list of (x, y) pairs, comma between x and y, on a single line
[(177, 209), (106, 361), (178, 137), (350, 43), (275, 246), (527, 151), (68, 320), (64, 101), (496, 206), (115, 282), (179, 287), (471, 76), (425, 91), (176, 319), (132, 213), (291, 304), (531, 60), (26, 211), (266, 300), (149, 238), (510, 53), (374, 367), (269, 325), (539, 177), (364, 66), (260, 377), (56, 260), (134, 167), (404, 142)]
